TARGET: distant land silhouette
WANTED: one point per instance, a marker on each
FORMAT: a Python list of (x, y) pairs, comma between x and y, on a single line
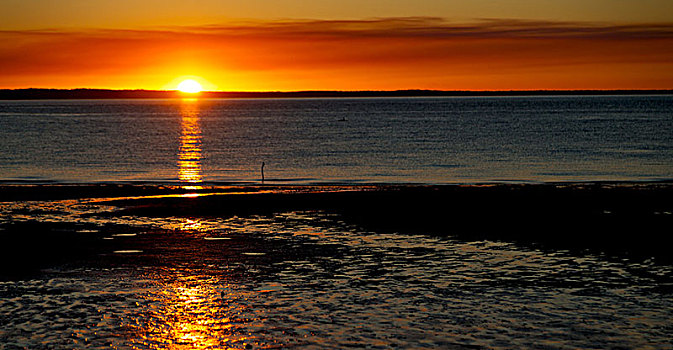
[(44, 94)]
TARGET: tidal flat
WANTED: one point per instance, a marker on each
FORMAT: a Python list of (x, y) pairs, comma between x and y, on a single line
[(553, 266)]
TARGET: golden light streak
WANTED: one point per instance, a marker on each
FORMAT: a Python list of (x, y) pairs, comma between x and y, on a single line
[(189, 154), (191, 311)]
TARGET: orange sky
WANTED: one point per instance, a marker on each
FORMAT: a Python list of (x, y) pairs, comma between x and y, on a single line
[(351, 54)]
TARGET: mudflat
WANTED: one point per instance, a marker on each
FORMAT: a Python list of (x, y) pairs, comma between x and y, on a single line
[(458, 266)]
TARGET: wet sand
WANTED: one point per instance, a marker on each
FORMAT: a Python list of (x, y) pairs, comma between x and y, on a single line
[(630, 219), (495, 266)]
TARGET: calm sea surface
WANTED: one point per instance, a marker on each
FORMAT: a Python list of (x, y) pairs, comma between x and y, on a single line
[(373, 140)]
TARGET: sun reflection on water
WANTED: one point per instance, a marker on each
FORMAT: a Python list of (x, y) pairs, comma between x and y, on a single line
[(190, 153), (189, 225), (191, 311)]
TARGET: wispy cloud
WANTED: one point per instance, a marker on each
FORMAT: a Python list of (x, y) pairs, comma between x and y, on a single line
[(395, 52), (433, 27)]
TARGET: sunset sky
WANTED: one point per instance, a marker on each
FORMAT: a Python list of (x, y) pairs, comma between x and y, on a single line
[(289, 45)]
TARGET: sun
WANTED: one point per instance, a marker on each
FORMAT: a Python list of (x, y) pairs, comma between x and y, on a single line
[(190, 86)]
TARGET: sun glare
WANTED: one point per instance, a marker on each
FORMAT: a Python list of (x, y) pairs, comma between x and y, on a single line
[(190, 86)]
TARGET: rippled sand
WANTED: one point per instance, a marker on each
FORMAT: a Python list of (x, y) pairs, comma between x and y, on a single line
[(311, 279)]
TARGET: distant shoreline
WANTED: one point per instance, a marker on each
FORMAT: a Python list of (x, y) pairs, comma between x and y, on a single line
[(80, 94)]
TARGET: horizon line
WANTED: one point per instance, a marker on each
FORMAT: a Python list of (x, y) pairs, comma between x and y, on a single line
[(97, 93), (322, 90)]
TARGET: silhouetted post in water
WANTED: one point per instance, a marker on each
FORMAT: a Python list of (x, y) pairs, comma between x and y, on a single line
[(262, 172)]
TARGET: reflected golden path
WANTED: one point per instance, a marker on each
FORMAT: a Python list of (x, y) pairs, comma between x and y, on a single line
[(190, 310), (189, 154)]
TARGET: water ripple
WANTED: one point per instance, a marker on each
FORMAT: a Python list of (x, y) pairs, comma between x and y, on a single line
[(310, 280)]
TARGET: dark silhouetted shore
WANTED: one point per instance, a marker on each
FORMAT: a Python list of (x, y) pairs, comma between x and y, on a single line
[(631, 219)]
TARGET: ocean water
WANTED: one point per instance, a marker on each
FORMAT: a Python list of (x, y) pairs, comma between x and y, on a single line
[(368, 140)]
